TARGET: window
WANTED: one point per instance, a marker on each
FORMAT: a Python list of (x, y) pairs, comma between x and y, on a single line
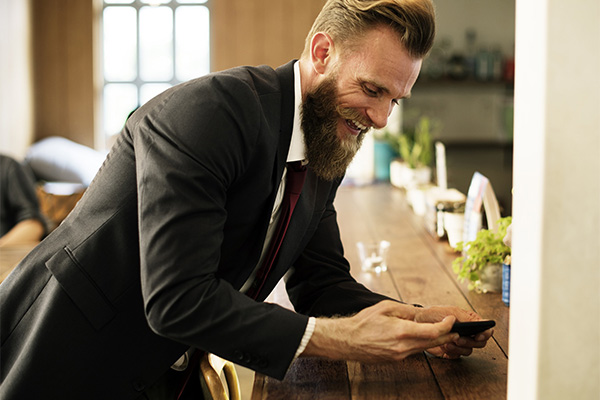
[(149, 46)]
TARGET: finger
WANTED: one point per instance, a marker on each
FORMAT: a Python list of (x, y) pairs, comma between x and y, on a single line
[(485, 335), (436, 313), (417, 337), (447, 323), (428, 331), (434, 346), (479, 341), (456, 351)]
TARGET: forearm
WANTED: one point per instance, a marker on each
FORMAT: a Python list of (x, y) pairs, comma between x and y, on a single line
[(328, 339), (28, 231), (384, 332)]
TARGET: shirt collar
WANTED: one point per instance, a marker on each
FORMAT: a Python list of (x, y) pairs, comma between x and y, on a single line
[(297, 150)]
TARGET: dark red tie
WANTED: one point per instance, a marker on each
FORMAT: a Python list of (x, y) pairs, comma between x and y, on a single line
[(296, 173)]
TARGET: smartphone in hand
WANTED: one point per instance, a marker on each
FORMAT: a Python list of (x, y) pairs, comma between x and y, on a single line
[(472, 328)]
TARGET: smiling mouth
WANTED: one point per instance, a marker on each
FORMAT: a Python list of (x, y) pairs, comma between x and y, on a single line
[(356, 126)]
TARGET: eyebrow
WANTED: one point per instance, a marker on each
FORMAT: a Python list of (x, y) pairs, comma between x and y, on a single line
[(384, 88)]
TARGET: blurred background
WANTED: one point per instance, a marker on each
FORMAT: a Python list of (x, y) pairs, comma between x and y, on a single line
[(78, 68)]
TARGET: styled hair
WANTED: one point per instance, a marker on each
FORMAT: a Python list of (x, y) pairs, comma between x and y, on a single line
[(346, 20)]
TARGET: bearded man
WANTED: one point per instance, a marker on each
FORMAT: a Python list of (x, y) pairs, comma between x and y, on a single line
[(167, 249)]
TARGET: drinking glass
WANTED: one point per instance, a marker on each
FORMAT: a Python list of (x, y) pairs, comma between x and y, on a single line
[(373, 255)]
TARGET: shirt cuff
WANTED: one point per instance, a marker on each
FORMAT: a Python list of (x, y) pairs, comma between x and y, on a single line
[(182, 363), (308, 332)]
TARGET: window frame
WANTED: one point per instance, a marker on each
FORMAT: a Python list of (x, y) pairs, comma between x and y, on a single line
[(107, 137)]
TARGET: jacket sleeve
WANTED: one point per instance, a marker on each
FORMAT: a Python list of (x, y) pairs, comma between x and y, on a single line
[(189, 149), (320, 283)]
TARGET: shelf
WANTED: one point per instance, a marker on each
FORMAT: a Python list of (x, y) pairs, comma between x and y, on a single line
[(426, 83)]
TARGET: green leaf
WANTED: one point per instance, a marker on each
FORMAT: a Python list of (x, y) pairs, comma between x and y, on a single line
[(487, 248)]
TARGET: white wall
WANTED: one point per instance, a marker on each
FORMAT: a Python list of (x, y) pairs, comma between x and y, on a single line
[(16, 129), (555, 303)]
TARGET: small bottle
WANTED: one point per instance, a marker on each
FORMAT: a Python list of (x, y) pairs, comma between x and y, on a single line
[(506, 281), (470, 56), (483, 65), (496, 65)]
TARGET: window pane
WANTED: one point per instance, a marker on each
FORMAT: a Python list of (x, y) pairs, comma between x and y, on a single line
[(118, 1), (119, 100), (149, 90), (156, 43), (191, 1), (192, 54), (119, 41), (156, 2)]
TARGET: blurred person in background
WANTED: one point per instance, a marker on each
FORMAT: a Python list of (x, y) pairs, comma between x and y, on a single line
[(21, 221)]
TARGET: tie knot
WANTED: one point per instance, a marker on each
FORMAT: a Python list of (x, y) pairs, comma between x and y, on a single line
[(296, 166)]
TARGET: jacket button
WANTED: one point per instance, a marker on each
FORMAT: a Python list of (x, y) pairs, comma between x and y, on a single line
[(263, 363), (138, 385)]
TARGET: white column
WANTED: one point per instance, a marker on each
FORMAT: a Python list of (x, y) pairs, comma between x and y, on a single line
[(555, 299)]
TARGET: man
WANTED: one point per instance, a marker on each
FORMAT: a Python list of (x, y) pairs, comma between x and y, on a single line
[(165, 250), (21, 221)]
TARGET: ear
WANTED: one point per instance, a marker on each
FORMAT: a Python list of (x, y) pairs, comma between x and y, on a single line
[(321, 51)]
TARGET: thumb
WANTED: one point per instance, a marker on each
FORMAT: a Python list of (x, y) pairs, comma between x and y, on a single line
[(447, 322)]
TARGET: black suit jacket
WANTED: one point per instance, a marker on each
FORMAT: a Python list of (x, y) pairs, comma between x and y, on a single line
[(150, 261)]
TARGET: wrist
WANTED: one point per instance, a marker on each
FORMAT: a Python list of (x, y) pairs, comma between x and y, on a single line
[(327, 339)]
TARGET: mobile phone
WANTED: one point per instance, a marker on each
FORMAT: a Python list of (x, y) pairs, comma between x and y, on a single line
[(471, 328)]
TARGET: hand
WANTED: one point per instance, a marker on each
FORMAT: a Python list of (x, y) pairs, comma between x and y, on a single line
[(384, 332), (462, 346)]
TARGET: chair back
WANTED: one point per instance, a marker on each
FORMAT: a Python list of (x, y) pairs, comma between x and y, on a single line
[(219, 379)]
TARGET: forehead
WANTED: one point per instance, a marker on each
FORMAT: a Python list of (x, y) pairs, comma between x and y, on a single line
[(379, 57)]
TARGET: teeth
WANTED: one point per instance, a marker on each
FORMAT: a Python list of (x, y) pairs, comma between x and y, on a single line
[(359, 125)]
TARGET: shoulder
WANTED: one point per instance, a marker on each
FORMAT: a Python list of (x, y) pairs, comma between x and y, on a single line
[(11, 169), (239, 82), (263, 78), (7, 162), (239, 93)]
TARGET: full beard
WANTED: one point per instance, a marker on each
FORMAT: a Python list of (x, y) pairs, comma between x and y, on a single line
[(328, 155)]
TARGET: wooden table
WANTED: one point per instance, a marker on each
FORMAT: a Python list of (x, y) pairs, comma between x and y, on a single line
[(10, 257), (419, 271)]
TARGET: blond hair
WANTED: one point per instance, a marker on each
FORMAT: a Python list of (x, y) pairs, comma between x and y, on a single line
[(346, 20)]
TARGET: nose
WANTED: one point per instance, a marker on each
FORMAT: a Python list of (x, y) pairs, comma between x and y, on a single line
[(379, 114)]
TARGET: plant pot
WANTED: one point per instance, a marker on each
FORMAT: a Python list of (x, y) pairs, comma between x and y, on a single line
[(402, 176), (416, 197), (383, 156), (490, 279)]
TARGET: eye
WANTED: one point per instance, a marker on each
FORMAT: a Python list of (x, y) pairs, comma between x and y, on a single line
[(369, 91), (395, 102)]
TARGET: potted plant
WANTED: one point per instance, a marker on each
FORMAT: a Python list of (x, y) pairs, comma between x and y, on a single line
[(416, 153), (481, 262)]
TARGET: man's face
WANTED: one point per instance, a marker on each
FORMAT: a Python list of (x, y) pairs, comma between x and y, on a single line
[(358, 92), (328, 153)]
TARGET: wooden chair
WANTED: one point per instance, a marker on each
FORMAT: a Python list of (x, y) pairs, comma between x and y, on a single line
[(213, 385)]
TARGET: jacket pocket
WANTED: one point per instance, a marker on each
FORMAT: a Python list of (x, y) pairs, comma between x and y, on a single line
[(81, 288)]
